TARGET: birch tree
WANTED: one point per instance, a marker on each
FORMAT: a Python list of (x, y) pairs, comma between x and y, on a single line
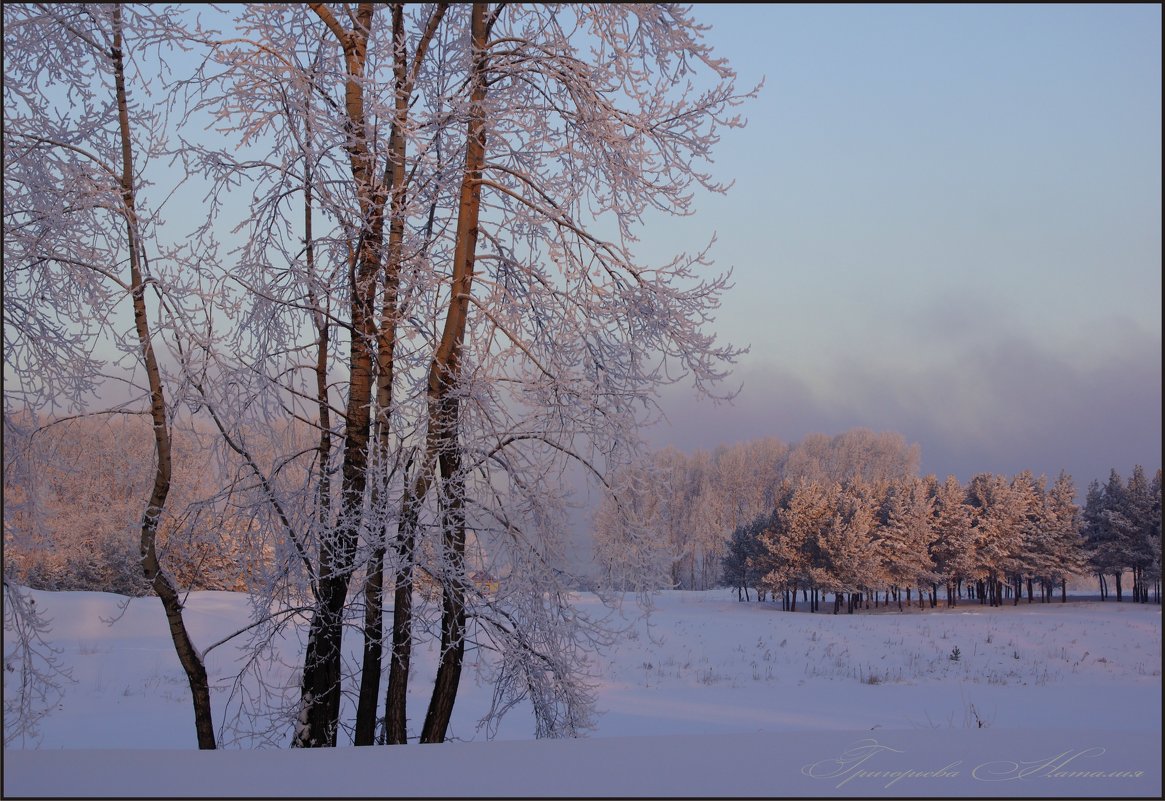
[(536, 338), (79, 236), (564, 331)]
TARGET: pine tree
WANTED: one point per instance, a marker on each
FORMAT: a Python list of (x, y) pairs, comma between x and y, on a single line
[(847, 559), (1065, 533), (903, 536), (791, 544), (1035, 558), (1096, 535), (1143, 523), (743, 556), (1118, 530), (1155, 534), (997, 515), (952, 546)]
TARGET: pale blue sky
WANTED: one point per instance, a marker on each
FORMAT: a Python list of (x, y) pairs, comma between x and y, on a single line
[(946, 222)]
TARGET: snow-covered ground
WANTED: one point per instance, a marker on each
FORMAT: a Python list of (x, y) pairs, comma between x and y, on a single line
[(707, 696)]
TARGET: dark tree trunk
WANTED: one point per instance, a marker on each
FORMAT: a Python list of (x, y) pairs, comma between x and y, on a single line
[(453, 596), (396, 695), (365, 731), (159, 580)]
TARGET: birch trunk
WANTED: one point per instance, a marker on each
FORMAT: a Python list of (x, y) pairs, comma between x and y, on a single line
[(159, 580)]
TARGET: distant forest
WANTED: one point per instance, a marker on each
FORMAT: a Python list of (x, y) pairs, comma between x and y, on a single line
[(849, 516)]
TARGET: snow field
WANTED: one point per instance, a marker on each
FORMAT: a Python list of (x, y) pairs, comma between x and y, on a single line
[(705, 662), (700, 662), (705, 696)]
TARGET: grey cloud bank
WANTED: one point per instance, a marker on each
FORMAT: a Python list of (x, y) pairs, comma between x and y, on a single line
[(1002, 406)]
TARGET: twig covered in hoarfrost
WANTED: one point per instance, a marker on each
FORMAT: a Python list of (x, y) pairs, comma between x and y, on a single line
[(34, 676)]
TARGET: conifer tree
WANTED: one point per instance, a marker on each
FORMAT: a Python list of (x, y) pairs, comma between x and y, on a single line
[(1066, 543), (952, 547), (903, 536)]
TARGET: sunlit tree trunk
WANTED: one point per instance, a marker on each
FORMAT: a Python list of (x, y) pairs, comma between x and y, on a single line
[(443, 378), (405, 77), (320, 702)]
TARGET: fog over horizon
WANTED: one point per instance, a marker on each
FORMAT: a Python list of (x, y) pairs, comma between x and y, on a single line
[(1007, 408)]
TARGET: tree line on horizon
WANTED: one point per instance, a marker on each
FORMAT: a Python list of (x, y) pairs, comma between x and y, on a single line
[(987, 540), (849, 516), (664, 520)]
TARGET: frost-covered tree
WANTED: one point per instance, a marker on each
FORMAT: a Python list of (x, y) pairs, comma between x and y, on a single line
[(34, 674), (1110, 531), (1155, 533), (1143, 542), (711, 494), (1036, 558), (1092, 529), (299, 93), (997, 514), (952, 547), (902, 538), (1063, 539), (80, 129), (72, 497), (630, 543), (437, 273), (792, 543), (533, 339), (856, 454), (1122, 531), (846, 560), (744, 555), (563, 332)]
